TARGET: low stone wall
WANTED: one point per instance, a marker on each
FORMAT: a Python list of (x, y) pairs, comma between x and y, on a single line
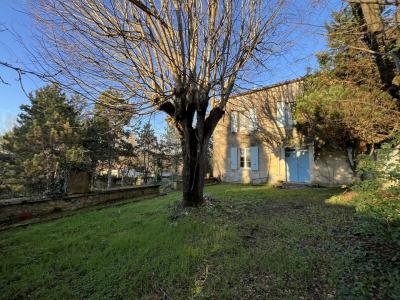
[(21, 209), (178, 185)]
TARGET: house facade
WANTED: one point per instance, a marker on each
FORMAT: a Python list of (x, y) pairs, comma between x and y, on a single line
[(257, 142)]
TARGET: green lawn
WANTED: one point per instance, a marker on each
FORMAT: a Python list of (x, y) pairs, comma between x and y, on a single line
[(253, 242)]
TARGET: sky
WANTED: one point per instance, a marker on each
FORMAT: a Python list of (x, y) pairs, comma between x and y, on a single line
[(307, 39)]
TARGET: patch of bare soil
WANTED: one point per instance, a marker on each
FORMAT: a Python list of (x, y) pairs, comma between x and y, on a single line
[(348, 196)]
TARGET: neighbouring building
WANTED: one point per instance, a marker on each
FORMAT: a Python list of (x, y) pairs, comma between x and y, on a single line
[(257, 142)]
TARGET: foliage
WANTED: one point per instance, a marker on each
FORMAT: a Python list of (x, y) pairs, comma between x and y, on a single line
[(344, 114), (172, 144), (378, 196), (55, 134), (158, 154), (45, 144), (386, 166), (107, 137), (303, 249), (345, 104), (147, 147)]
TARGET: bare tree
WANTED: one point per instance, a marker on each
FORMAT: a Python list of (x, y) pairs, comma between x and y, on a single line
[(173, 56)]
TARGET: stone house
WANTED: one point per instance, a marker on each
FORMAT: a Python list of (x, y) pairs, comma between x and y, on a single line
[(257, 142)]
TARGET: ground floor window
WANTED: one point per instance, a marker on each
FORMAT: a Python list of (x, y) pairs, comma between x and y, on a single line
[(245, 158)]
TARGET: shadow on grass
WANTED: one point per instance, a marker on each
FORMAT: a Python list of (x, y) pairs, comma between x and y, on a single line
[(251, 242)]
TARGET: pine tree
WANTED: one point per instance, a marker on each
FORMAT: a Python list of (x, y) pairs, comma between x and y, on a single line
[(107, 134), (173, 149), (346, 104), (147, 149), (45, 144)]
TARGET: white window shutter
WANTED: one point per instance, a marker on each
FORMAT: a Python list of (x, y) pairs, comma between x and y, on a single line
[(254, 158), (253, 119), (241, 122), (280, 114), (234, 121), (234, 158), (289, 116)]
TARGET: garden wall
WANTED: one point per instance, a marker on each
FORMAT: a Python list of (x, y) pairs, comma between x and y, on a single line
[(21, 209)]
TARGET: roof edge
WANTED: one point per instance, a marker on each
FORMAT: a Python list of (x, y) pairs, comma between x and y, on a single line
[(267, 87)]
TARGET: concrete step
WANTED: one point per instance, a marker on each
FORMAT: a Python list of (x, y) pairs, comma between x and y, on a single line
[(294, 185)]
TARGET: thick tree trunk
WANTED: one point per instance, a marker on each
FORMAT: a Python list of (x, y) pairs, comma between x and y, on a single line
[(194, 142), (370, 16), (194, 162)]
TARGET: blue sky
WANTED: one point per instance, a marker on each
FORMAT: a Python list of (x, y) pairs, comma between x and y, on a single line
[(294, 63)]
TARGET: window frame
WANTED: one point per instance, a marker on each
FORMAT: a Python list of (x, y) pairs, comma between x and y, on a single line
[(246, 158), (247, 121)]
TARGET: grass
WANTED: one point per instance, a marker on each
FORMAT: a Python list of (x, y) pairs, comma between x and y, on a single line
[(253, 242)]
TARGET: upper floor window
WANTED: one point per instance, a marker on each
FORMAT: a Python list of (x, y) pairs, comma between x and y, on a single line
[(284, 114), (244, 121)]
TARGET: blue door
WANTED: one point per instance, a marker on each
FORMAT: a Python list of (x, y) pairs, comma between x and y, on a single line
[(297, 165)]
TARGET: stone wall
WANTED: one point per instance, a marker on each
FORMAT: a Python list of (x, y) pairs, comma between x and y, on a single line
[(21, 209), (271, 138), (332, 168)]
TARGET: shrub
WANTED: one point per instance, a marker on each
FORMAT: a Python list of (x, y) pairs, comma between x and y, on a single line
[(381, 213), (378, 195)]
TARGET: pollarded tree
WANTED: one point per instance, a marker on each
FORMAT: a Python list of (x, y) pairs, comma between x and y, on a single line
[(170, 55)]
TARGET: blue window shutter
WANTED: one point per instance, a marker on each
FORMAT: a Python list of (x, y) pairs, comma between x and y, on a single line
[(254, 158), (234, 158), (280, 114)]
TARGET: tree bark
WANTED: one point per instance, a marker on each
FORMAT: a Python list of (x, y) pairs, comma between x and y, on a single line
[(194, 161), (194, 149), (374, 40)]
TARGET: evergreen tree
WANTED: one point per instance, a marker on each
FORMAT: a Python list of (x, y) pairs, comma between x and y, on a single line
[(346, 104), (6, 171), (173, 150), (147, 148), (45, 143), (107, 134)]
